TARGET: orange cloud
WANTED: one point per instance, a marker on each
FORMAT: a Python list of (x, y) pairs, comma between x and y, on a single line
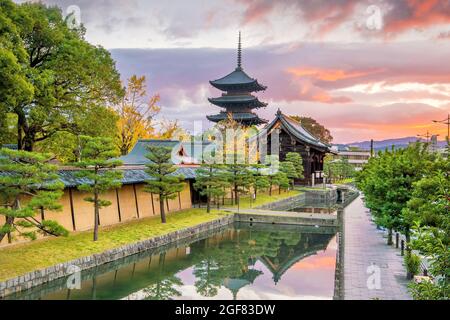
[(328, 74), (316, 262), (412, 14)]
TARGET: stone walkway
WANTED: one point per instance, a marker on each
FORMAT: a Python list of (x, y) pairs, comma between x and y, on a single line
[(364, 246)]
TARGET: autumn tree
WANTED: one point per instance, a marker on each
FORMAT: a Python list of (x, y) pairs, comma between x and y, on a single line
[(98, 170), (315, 128), (163, 180), (136, 114), (29, 185)]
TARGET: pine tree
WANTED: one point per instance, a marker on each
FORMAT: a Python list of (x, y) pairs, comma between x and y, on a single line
[(297, 161), (163, 181), (261, 180), (290, 171), (211, 180), (28, 175), (240, 178), (97, 167)]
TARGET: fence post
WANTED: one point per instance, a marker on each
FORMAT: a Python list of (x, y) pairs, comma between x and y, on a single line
[(396, 240)]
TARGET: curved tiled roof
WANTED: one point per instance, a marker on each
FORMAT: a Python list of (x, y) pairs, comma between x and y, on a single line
[(245, 100), (130, 176), (237, 79), (297, 130)]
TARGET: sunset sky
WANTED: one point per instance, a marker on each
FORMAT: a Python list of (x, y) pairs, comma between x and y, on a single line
[(365, 69)]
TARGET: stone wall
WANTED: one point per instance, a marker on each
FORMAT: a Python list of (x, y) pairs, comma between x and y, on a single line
[(43, 276), (285, 204)]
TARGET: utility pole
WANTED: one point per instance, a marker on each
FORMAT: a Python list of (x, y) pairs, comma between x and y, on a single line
[(371, 148), (427, 136), (447, 122)]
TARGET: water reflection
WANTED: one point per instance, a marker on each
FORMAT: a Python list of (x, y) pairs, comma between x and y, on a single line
[(239, 262)]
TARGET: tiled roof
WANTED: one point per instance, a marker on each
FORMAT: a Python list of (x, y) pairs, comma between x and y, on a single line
[(184, 152), (130, 176)]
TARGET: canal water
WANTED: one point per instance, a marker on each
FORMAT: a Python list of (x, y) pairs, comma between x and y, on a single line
[(242, 261)]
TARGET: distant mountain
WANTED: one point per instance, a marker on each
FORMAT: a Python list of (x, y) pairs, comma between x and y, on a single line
[(383, 144)]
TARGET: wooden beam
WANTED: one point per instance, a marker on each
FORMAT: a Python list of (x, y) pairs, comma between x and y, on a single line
[(179, 200), (153, 204), (118, 205), (136, 200), (72, 211)]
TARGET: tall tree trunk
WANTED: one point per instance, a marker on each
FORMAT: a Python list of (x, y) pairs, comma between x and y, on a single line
[(236, 194), (270, 190), (208, 203), (28, 143), (8, 223), (389, 241), (97, 216), (161, 206)]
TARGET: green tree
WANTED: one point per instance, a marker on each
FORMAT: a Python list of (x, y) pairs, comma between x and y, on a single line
[(387, 183), (66, 146), (428, 212), (240, 178), (261, 180), (28, 185), (290, 171), (275, 176), (15, 86), (163, 180), (98, 168), (61, 75), (211, 180), (296, 159)]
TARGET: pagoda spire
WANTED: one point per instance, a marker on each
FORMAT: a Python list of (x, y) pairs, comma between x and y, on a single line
[(239, 57)]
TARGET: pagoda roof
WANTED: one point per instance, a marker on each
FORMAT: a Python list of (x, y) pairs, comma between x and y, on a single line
[(246, 117), (238, 80), (296, 129), (246, 100)]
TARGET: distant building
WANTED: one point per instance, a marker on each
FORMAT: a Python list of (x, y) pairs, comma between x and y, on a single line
[(356, 157)]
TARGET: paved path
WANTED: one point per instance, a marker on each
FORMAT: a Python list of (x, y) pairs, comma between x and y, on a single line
[(364, 245)]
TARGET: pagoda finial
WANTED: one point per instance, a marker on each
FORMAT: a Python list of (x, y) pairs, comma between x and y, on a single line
[(239, 58)]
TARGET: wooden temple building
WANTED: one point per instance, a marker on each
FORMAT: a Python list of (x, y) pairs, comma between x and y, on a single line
[(291, 136)]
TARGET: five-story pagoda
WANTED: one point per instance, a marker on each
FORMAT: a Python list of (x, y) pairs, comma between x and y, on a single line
[(237, 99)]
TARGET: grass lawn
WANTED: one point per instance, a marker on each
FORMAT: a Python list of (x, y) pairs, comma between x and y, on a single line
[(263, 198), (25, 257)]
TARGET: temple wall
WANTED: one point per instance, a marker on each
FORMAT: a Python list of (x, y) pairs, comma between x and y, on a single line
[(129, 200)]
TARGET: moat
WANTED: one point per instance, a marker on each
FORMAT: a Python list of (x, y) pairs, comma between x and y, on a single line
[(241, 261)]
